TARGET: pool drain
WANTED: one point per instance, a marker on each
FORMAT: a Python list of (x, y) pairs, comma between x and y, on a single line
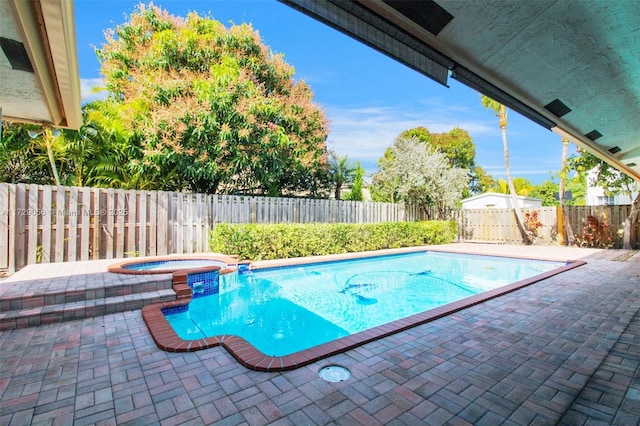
[(334, 373)]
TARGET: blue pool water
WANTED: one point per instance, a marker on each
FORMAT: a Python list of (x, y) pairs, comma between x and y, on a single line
[(285, 310), (173, 265)]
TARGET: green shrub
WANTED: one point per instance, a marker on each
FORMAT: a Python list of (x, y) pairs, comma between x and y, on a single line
[(280, 241)]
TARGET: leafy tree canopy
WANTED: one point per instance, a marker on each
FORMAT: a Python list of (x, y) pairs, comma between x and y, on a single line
[(522, 186), (604, 175), (548, 191), (417, 174), (456, 145), (341, 172), (213, 106), (21, 161), (481, 181), (356, 193), (459, 149)]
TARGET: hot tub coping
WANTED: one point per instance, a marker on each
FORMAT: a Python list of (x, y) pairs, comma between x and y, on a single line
[(231, 261)]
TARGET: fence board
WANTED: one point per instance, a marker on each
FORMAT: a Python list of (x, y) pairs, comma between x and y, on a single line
[(47, 216), (19, 220), (153, 220), (32, 214), (5, 208), (94, 224), (86, 223), (13, 234), (162, 239), (109, 229), (71, 230), (178, 227), (188, 224), (60, 216), (120, 231), (130, 217), (142, 223)]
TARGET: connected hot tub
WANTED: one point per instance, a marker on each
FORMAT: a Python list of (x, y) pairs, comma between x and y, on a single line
[(192, 275), (170, 264)]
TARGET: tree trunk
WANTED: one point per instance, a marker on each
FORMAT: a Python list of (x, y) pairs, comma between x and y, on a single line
[(512, 190), (629, 223), (48, 140), (571, 239)]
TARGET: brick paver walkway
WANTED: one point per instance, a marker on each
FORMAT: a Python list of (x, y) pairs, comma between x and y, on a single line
[(565, 350)]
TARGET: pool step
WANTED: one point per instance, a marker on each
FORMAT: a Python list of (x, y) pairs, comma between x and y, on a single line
[(34, 293), (31, 302), (46, 314)]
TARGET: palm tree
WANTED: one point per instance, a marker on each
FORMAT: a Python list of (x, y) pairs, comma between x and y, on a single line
[(116, 159), (341, 172), (561, 190), (501, 112), (51, 144), (522, 186)]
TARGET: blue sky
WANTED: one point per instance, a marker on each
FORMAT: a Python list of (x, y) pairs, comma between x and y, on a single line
[(368, 98)]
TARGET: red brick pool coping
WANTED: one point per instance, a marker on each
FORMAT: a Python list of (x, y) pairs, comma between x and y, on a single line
[(247, 355)]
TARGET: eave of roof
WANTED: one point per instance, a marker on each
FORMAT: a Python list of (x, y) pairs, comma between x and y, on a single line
[(47, 30)]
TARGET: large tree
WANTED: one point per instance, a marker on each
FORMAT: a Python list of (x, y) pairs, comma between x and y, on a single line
[(416, 174), (613, 182), (459, 149), (214, 105)]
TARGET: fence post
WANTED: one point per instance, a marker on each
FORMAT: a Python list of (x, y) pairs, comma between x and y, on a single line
[(560, 225)]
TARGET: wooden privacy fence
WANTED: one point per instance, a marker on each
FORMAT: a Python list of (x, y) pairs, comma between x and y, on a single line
[(612, 217), (499, 225), (43, 224)]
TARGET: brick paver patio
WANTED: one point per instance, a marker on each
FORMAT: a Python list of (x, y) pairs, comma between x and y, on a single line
[(563, 351)]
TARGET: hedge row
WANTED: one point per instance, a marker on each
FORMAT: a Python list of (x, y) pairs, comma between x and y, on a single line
[(281, 241)]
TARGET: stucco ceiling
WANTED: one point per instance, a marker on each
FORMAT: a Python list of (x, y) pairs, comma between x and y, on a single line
[(39, 79), (572, 66)]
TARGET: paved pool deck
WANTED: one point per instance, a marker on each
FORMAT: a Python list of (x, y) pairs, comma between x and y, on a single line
[(565, 350)]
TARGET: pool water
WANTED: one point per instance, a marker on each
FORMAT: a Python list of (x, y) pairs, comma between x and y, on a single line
[(285, 310), (173, 265)]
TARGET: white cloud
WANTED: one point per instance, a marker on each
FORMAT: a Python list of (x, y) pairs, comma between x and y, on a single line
[(88, 88), (363, 134)]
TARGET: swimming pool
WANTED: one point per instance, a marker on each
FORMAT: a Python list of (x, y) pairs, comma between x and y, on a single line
[(280, 318)]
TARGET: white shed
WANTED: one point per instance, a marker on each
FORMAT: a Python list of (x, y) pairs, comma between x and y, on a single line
[(493, 200)]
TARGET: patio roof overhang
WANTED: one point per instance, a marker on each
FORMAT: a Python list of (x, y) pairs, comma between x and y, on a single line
[(40, 81), (571, 66)]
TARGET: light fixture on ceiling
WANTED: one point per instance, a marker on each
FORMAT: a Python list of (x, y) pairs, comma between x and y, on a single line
[(614, 150), (427, 13), (593, 135), (16, 54), (557, 108)]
